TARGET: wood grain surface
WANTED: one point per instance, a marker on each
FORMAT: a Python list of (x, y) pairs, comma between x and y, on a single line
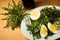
[(8, 34)]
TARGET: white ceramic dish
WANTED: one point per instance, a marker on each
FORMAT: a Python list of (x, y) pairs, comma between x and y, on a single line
[(27, 34)]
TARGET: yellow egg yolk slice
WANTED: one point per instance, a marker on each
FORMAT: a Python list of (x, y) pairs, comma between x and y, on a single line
[(52, 27), (34, 14), (43, 30)]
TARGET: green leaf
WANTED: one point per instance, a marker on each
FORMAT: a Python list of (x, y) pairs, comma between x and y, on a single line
[(7, 24), (5, 8), (36, 30), (38, 36), (5, 14), (4, 19), (14, 3)]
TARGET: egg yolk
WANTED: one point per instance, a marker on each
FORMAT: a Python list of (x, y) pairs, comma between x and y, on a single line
[(34, 14), (43, 30), (52, 27)]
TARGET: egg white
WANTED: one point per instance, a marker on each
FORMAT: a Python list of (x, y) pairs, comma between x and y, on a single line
[(50, 29), (43, 35), (34, 17)]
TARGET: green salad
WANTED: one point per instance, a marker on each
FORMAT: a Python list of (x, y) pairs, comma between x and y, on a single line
[(48, 18)]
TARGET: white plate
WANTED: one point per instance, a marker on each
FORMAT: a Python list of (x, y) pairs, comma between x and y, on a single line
[(27, 34)]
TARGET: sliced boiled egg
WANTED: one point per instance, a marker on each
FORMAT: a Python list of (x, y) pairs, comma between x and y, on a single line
[(43, 31), (52, 28), (35, 14)]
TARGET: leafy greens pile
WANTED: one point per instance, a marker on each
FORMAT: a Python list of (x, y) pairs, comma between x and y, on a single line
[(15, 14), (47, 15)]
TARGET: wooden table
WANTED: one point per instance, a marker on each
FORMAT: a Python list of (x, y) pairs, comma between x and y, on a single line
[(8, 34)]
